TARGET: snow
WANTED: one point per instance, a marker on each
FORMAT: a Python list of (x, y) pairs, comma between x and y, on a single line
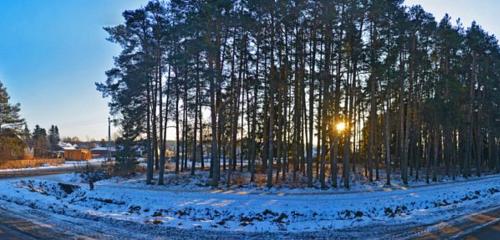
[(67, 146), (103, 148), (199, 182), (193, 206)]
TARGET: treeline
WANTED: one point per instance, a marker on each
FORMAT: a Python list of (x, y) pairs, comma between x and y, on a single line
[(269, 86)]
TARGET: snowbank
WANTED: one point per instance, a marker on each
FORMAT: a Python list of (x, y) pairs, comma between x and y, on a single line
[(119, 200)]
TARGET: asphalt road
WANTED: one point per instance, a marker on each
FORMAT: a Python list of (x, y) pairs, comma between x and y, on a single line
[(31, 173), (15, 227), (47, 171), (484, 225), (490, 232)]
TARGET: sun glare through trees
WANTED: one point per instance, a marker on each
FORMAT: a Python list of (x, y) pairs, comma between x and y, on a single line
[(253, 119)]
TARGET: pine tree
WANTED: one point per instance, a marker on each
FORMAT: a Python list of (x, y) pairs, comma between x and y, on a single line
[(41, 143), (9, 113), (54, 138)]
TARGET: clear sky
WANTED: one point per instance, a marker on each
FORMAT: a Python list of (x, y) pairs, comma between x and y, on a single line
[(485, 12), (52, 52)]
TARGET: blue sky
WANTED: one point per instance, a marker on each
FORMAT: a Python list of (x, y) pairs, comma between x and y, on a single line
[(52, 52), (485, 12)]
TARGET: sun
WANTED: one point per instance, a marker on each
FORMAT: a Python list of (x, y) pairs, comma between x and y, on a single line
[(340, 127)]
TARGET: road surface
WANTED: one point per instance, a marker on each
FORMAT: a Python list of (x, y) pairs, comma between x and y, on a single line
[(46, 171), (32, 173), (15, 227), (490, 232), (483, 225)]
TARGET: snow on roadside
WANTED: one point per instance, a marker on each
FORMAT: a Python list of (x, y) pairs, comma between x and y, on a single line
[(200, 182), (242, 211)]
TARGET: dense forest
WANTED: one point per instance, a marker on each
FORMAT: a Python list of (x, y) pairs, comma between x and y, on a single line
[(316, 92)]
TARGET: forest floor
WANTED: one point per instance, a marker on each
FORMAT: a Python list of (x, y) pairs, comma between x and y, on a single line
[(190, 207)]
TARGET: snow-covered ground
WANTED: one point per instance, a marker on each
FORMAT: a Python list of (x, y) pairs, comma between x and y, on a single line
[(240, 182), (281, 211), (67, 164)]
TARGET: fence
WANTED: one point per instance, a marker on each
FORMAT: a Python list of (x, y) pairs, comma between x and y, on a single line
[(13, 164)]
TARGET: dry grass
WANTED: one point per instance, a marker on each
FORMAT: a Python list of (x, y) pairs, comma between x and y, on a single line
[(14, 164), (239, 179)]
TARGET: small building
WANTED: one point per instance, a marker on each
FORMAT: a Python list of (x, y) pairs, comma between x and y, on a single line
[(99, 152), (77, 155)]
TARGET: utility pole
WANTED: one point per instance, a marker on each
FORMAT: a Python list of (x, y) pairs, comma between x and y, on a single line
[(109, 139)]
